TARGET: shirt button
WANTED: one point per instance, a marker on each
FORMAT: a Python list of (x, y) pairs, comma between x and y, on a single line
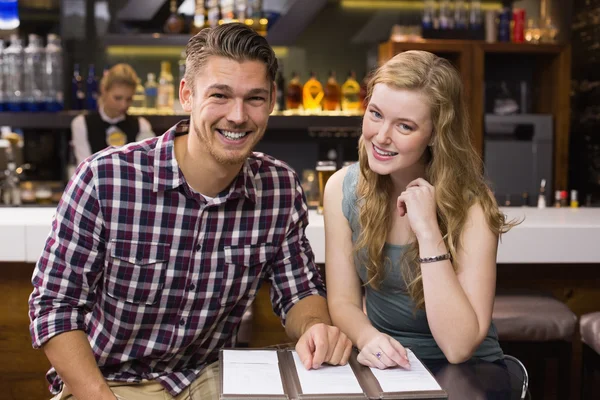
[(182, 321), (198, 247), (192, 287)]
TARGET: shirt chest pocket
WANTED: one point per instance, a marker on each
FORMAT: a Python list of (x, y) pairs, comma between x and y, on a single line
[(135, 272), (243, 271)]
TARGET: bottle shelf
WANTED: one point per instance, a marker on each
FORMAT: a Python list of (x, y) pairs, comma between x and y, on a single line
[(160, 123)]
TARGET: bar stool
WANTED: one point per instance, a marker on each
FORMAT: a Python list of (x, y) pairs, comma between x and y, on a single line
[(589, 328), (541, 326)]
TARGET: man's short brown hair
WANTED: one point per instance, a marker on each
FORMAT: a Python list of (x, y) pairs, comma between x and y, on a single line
[(235, 41)]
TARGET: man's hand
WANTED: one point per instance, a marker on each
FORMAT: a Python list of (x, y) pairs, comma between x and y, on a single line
[(323, 343)]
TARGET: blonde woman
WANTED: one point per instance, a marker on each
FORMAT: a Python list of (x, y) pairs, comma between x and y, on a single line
[(110, 126), (414, 224)]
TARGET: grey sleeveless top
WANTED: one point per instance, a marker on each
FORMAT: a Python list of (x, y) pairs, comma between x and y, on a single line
[(390, 308)]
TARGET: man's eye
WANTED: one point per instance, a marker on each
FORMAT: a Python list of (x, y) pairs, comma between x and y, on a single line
[(257, 98), (375, 114), (218, 96)]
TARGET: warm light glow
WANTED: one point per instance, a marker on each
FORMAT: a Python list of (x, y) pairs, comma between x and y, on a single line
[(263, 21), (249, 21), (144, 51), (401, 4)]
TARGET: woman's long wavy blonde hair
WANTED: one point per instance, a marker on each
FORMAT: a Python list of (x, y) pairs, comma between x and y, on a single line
[(454, 169)]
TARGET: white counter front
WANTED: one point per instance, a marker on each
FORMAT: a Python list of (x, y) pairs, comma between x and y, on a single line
[(546, 235)]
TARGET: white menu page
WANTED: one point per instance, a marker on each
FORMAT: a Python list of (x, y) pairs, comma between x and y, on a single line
[(251, 372), (398, 379)]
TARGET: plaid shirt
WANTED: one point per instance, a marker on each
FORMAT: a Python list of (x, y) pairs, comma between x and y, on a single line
[(159, 277)]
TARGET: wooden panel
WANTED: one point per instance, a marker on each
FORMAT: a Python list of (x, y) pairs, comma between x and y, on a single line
[(476, 97), (22, 368), (554, 83), (266, 325)]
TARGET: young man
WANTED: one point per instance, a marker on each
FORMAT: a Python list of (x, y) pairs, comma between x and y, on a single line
[(158, 247)]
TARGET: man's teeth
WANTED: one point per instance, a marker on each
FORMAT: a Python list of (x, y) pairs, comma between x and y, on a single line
[(384, 153), (233, 135)]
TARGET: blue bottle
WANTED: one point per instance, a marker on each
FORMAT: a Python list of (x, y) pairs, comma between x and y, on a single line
[(91, 86), (9, 15), (77, 90)]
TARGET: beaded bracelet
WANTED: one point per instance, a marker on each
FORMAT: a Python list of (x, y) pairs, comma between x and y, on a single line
[(446, 256)]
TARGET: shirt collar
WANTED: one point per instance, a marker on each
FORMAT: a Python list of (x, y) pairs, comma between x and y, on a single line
[(107, 118), (167, 174)]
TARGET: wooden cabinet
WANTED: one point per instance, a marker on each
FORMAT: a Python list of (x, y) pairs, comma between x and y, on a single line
[(551, 66)]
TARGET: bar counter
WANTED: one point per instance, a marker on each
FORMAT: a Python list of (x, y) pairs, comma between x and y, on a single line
[(551, 235)]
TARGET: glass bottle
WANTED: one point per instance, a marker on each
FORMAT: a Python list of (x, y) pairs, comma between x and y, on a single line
[(91, 86), (280, 97), (33, 80), (200, 17), (312, 94), (139, 98), (332, 94), (53, 74), (166, 89), (13, 72), (294, 93), (175, 23), (151, 91), (351, 94), (77, 89)]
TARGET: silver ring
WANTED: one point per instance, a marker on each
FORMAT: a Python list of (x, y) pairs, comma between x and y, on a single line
[(378, 355)]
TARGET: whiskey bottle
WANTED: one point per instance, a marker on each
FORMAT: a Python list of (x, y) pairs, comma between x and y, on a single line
[(312, 94), (200, 17), (351, 94), (294, 93), (332, 94), (166, 90)]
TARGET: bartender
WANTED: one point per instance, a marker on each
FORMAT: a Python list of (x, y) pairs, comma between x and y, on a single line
[(110, 126)]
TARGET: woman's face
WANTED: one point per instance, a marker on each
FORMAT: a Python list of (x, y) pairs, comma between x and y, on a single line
[(397, 128), (117, 100)]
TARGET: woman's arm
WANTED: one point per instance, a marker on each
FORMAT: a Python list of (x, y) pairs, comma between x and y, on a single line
[(459, 304), (145, 130), (79, 139)]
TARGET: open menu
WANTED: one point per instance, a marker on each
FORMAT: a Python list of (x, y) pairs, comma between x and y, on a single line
[(279, 374)]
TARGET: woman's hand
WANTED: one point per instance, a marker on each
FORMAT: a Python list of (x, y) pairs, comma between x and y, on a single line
[(418, 203), (382, 351)]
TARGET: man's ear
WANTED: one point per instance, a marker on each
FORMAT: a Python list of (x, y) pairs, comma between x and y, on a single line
[(185, 96)]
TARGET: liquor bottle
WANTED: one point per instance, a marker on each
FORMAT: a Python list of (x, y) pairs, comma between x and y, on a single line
[(428, 15), (166, 90), (280, 96), (241, 7), (91, 85), (475, 16), (13, 73), (332, 94), (461, 18), (174, 23), (446, 20), (151, 89), (227, 11), (200, 17), (351, 94), (364, 92), (294, 93), (213, 13), (138, 103), (312, 94), (53, 74), (33, 79), (77, 89)]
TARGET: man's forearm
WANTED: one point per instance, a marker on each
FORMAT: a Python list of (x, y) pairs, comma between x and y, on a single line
[(307, 312), (72, 357)]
